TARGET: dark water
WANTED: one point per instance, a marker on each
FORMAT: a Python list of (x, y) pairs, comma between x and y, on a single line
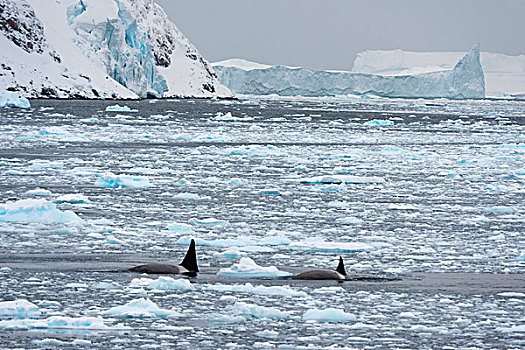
[(435, 241)]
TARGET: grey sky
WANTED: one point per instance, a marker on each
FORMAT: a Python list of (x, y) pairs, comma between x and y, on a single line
[(328, 33)]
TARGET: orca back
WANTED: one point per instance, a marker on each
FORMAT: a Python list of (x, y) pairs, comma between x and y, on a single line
[(190, 260), (341, 267)]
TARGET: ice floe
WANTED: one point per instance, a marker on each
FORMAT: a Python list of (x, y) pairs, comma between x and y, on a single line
[(73, 198), (140, 308), (119, 108), (162, 283), (39, 192), (180, 227), (122, 181), (20, 308), (246, 267), (328, 315), (256, 311), (282, 291), (36, 211), (338, 179), (208, 222), (230, 254), (59, 322), (191, 196), (378, 122)]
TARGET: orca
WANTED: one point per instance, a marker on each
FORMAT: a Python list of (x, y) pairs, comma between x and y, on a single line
[(338, 274), (187, 267)]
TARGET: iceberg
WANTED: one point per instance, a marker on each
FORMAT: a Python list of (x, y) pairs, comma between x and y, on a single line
[(36, 211), (465, 80), (248, 268), (13, 99), (162, 283), (58, 322), (504, 75), (119, 108)]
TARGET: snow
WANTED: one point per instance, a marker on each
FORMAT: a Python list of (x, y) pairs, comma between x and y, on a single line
[(248, 268), (162, 283), (256, 311), (328, 315), (240, 63), (20, 308), (123, 181), (36, 211), (102, 49), (504, 75), (281, 291), (464, 80), (139, 308), (13, 99), (119, 108)]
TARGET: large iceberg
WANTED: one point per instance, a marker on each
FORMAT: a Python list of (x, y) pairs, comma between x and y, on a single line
[(13, 99), (99, 49), (465, 80), (504, 75)]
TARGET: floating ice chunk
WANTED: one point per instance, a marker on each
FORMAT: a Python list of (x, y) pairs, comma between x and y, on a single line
[(59, 322), (499, 210), (256, 311), (378, 122), (73, 198), (338, 179), (208, 222), (269, 191), (36, 211), (278, 239), (221, 318), (81, 342), (180, 227), (191, 196), (329, 290), (230, 254), (228, 117), (19, 308), (328, 315), (248, 268), (119, 108), (226, 242), (512, 294), (349, 221), (237, 182), (282, 291), (140, 308), (122, 181), (319, 245), (158, 116), (427, 329), (163, 283), (13, 99), (38, 192), (513, 329)]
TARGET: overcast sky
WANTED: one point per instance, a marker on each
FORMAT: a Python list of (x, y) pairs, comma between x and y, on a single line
[(328, 33)]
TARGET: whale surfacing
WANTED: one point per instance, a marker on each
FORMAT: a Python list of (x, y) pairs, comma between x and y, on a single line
[(187, 267), (338, 274)]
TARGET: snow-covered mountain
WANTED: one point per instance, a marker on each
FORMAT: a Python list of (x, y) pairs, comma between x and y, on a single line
[(464, 80), (99, 49), (504, 75)]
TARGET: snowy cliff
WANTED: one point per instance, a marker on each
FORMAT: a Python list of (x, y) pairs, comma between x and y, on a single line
[(99, 49), (504, 75), (465, 80)]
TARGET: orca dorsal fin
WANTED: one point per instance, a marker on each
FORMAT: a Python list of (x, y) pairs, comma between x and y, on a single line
[(341, 267), (190, 260)]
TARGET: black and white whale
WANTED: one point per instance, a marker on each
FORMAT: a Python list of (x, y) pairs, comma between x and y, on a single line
[(338, 274), (187, 267)]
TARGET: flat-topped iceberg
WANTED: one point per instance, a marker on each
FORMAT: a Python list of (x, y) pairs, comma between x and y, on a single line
[(36, 211), (465, 80), (246, 267)]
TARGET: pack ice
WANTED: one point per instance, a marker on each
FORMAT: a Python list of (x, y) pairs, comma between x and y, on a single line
[(465, 80), (99, 49)]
